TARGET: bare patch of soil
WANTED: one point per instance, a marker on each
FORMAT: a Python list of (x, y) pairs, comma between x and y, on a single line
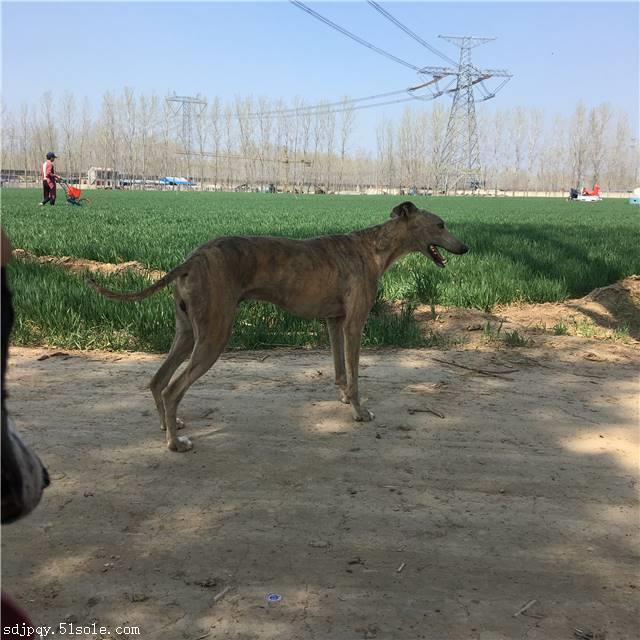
[(610, 313), (81, 264)]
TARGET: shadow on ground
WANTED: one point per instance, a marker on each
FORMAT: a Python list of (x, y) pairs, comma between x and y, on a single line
[(412, 526)]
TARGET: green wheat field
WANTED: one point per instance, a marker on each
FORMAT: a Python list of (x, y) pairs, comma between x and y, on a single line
[(522, 250)]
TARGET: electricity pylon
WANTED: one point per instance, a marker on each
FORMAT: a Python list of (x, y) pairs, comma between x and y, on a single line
[(190, 106), (459, 161)]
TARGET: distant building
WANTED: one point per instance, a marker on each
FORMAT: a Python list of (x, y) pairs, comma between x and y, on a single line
[(99, 177)]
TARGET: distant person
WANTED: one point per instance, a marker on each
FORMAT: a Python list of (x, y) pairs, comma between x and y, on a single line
[(49, 179)]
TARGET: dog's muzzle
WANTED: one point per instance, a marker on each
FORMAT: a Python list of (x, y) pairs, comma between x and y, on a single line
[(436, 256), (439, 260)]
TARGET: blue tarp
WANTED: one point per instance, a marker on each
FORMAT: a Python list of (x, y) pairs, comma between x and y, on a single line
[(175, 181)]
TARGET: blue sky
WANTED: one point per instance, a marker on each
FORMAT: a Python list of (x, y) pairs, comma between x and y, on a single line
[(559, 53)]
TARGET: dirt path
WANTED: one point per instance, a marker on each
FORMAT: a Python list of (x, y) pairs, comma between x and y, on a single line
[(412, 526)]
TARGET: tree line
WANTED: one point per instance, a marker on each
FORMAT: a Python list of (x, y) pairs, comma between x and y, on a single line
[(259, 141)]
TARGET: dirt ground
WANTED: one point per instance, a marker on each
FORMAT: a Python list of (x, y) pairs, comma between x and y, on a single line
[(494, 497)]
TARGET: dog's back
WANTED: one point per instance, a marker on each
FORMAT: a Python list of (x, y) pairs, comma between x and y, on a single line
[(306, 277)]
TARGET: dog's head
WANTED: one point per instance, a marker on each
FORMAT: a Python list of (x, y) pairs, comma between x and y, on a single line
[(428, 233)]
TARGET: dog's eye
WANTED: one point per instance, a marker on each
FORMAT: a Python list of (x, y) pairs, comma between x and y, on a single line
[(440, 225)]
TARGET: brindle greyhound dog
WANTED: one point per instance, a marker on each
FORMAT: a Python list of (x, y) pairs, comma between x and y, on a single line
[(332, 277)]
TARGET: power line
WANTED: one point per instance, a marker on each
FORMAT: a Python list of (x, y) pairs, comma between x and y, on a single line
[(330, 107), (323, 106), (321, 111), (359, 40), (408, 31)]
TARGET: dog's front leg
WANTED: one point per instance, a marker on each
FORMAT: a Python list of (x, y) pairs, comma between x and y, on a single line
[(336, 338), (352, 339)]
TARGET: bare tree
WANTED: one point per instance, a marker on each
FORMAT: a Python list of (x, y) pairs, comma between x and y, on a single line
[(291, 146), (623, 169), (437, 129), (9, 138), (579, 142), (83, 139), (228, 121), (535, 130), (166, 130), (599, 119), (243, 110), (265, 124), (281, 152), (405, 151), (25, 139), (518, 144), (216, 133), (148, 115), (316, 134), (202, 138), (305, 123), (329, 133), (128, 121), (109, 131), (48, 121), (386, 155), (412, 148), (421, 150), (68, 125)]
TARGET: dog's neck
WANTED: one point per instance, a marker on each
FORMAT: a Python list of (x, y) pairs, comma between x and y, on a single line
[(388, 241)]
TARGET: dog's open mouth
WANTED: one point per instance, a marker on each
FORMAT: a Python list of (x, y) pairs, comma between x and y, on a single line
[(435, 255)]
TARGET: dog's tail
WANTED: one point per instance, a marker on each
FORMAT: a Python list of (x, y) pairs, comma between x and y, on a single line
[(134, 296)]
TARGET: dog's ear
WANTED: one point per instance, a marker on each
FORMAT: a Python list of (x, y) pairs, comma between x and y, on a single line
[(403, 210)]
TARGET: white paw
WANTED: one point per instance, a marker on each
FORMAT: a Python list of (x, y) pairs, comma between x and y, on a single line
[(364, 415), (181, 444)]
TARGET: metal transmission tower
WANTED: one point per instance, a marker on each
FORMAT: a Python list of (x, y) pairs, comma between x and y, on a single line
[(459, 162), (189, 106)]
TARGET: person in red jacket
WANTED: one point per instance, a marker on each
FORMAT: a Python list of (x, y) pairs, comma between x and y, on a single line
[(49, 179)]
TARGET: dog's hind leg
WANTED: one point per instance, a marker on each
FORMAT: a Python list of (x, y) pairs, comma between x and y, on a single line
[(180, 349), (352, 338), (336, 337), (211, 335)]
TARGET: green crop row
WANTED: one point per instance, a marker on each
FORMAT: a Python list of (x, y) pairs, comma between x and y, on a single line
[(522, 250), (55, 308)]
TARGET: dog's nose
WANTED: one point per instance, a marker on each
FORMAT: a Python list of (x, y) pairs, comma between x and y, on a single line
[(464, 249)]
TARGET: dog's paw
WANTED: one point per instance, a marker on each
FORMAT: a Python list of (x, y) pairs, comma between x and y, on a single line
[(363, 415), (181, 444), (344, 398)]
